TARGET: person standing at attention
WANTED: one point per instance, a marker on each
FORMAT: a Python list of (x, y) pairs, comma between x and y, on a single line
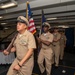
[(56, 46), (62, 44), (46, 51)]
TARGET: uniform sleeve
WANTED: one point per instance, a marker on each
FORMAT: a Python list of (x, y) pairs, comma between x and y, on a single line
[(31, 42), (40, 36), (50, 38), (59, 36), (65, 38)]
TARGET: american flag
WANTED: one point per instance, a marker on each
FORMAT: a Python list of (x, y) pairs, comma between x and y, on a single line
[(31, 26)]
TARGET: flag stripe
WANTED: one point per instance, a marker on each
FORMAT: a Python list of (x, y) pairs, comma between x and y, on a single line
[(31, 26), (34, 31), (31, 21)]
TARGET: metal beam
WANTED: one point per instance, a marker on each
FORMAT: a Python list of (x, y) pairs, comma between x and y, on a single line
[(14, 16), (34, 4)]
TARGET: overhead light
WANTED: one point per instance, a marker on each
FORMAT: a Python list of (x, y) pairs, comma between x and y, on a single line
[(3, 23), (1, 17), (13, 3), (63, 26), (51, 18), (6, 28), (7, 5)]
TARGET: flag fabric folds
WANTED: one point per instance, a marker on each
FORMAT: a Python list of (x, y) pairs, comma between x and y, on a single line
[(43, 20), (43, 17), (31, 26)]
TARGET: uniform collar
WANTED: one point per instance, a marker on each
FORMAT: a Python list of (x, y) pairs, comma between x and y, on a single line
[(46, 33), (24, 34)]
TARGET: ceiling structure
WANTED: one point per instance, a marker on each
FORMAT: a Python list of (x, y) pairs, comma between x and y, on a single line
[(57, 12)]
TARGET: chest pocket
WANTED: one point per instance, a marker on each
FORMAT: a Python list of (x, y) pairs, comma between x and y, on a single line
[(47, 37), (23, 42)]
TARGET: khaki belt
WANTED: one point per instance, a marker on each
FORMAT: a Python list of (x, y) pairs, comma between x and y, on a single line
[(45, 48)]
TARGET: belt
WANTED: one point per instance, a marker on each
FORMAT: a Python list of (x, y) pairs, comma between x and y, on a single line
[(45, 48)]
